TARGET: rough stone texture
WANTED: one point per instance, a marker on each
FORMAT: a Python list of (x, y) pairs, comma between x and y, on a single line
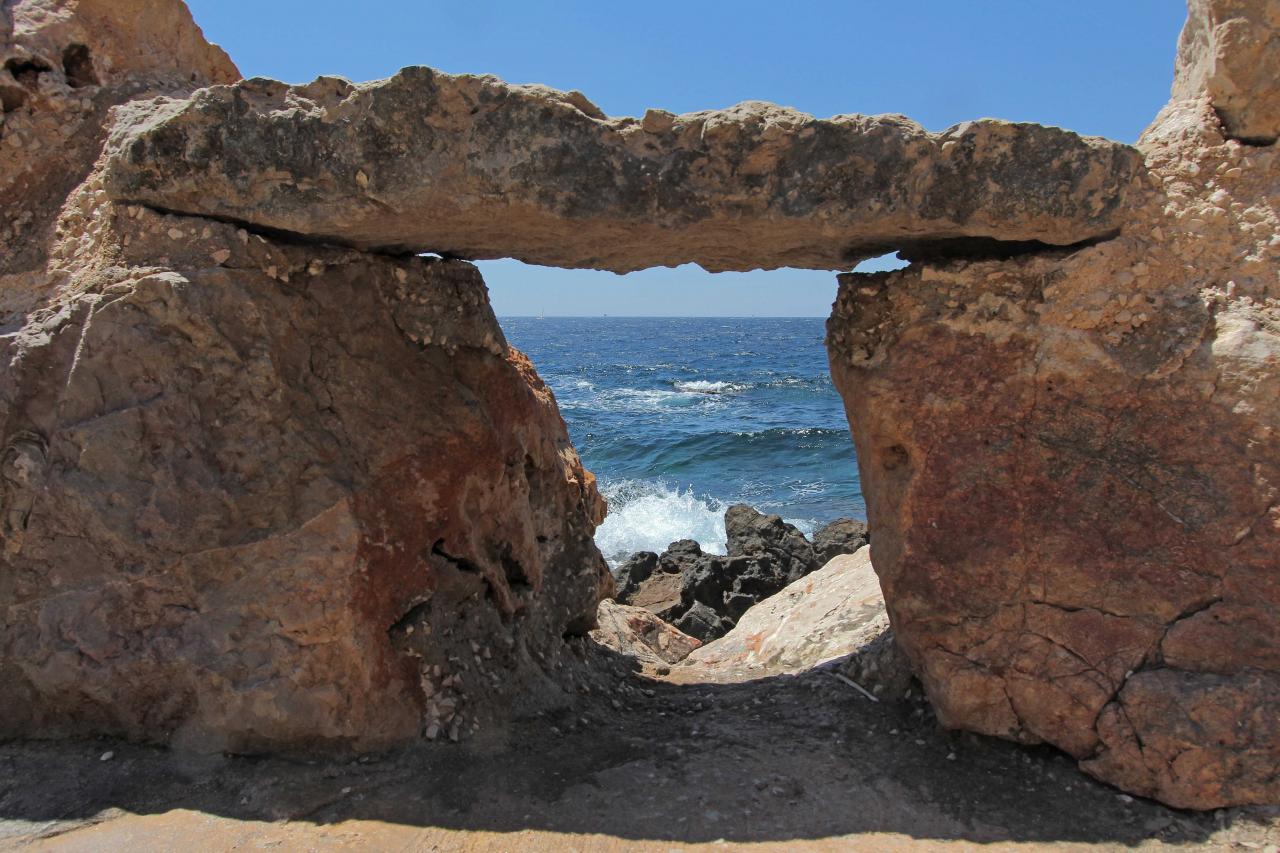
[(1072, 465), (473, 167), (633, 572), (260, 492), (704, 594), (267, 495), (819, 618), (1230, 50), (62, 67), (778, 550), (842, 536), (254, 494), (638, 634)]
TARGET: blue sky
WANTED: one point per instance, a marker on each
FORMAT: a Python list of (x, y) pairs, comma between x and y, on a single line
[(1096, 66)]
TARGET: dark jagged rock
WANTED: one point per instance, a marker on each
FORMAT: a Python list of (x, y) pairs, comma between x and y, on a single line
[(765, 555), (842, 536), (637, 569), (776, 552)]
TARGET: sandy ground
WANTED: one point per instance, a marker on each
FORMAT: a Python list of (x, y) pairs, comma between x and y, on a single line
[(785, 763)]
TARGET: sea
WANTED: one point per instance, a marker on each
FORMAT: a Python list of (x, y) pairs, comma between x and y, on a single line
[(681, 417)]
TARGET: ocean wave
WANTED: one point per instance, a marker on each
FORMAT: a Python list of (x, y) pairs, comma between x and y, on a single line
[(648, 515), (702, 386)]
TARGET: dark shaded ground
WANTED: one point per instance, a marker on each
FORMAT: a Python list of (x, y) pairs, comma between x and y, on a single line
[(787, 759)]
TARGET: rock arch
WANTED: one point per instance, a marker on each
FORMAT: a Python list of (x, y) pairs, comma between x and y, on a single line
[(1065, 409)]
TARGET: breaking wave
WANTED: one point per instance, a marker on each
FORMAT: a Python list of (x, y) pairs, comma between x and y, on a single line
[(648, 515)]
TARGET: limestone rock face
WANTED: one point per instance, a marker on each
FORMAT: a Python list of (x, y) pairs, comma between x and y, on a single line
[(254, 494), (261, 495), (1229, 51), (1072, 466), (62, 67), (472, 167)]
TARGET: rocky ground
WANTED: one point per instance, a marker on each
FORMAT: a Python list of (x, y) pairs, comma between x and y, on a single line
[(794, 762), (759, 737)]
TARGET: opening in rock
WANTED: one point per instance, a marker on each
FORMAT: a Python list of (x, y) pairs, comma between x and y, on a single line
[(26, 71), (77, 65), (687, 392), (706, 409)]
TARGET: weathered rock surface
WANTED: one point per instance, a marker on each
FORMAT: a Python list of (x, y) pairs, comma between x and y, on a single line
[(778, 551), (821, 617), (1072, 466), (1229, 51), (842, 536), (704, 594), (473, 167), (267, 495), (638, 634), (257, 490), (62, 67), (255, 494)]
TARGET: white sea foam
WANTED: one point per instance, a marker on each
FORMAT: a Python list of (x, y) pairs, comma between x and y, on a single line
[(648, 515), (702, 386)]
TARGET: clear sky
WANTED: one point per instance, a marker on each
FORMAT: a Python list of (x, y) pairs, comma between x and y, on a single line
[(1096, 66)]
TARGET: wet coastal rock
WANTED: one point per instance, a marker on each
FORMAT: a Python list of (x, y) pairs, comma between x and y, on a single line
[(705, 594)]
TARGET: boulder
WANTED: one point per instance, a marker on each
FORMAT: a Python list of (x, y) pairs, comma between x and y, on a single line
[(472, 167), (1071, 460), (265, 496), (842, 536), (636, 633), (776, 552), (633, 572), (833, 616)]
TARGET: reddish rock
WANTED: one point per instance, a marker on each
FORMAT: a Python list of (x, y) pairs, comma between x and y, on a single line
[(1072, 468), (267, 495)]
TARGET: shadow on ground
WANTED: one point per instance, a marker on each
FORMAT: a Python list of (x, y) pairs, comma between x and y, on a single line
[(785, 759)]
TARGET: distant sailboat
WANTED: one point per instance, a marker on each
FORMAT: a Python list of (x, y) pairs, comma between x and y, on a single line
[(542, 315)]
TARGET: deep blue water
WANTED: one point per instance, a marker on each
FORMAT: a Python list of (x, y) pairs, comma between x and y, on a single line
[(680, 417)]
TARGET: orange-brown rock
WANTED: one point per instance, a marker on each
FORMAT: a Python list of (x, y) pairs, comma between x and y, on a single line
[(261, 495), (62, 67), (1072, 468), (254, 494), (261, 487)]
